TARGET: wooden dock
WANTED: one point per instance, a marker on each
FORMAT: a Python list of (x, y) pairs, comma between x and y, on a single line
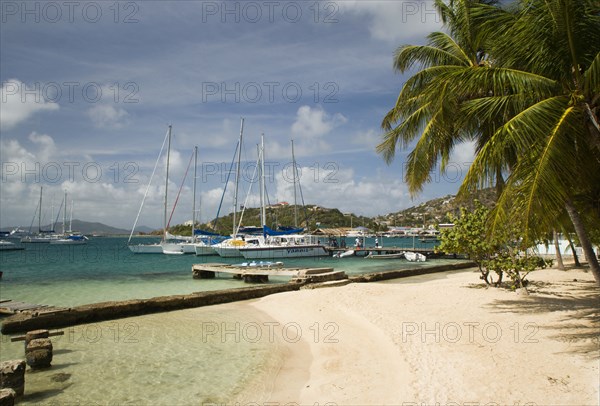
[(261, 273), (9, 306), (429, 252)]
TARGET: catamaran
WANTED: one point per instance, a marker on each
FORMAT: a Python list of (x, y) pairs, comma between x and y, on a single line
[(281, 244)]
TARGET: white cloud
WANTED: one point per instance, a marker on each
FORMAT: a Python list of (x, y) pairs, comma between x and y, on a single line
[(463, 154), (19, 101), (107, 116), (394, 21), (314, 122), (338, 188), (46, 147)]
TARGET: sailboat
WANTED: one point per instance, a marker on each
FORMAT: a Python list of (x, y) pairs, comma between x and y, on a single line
[(281, 244), (230, 247), (195, 245), (69, 237), (43, 236), (157, 247)]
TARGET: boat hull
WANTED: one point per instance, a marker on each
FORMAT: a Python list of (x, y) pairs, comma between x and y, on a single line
[(67, 241), (204, 250), (284, 252), (146, 249), (36, 240), (228, 252), (415, 257), (385, 256)]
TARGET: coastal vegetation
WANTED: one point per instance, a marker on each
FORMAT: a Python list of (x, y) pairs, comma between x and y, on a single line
[(522, 82), (497, 254)]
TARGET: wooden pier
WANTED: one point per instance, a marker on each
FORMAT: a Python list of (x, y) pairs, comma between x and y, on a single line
[(260, 273), (363, 251)]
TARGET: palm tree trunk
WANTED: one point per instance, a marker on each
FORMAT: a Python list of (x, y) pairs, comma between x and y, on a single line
[(575, 257), (584, 240), (559, 261)]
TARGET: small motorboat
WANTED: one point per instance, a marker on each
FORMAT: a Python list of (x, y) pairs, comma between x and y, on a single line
[(344, 254), (396, 255), (415, 256)]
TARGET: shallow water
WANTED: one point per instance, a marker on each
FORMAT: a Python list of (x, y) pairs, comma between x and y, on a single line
[(197, 356), (105, 270)]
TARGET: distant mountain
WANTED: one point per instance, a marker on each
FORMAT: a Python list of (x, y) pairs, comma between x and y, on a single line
[(89, 228)]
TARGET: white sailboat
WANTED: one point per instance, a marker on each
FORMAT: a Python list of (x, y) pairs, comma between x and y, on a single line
[(280, 245), (193, 246), (230, 247), (42, 236), (69, 237), (157, 247)]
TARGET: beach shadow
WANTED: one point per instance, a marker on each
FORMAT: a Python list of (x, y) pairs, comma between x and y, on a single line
[(43, 394), (580, 328), (63, 351)]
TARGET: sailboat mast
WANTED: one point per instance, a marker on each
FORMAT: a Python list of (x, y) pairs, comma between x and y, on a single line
[(71, 218), (194, 193), (52, 211), (262, 181), (167, 185), (40, 211), (65, 215), (237, 178), (294, 181)]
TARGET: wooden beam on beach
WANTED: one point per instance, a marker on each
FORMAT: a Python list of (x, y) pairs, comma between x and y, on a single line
[(12, 307)]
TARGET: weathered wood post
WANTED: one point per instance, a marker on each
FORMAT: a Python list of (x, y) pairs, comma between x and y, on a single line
[(200, 274), (12, 376), (38, 353), (7, 397), (32, 335)]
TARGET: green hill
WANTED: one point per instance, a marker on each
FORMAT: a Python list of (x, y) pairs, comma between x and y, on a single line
[(431, 212)]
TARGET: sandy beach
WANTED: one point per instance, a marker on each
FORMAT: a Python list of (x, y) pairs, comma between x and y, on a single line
[(439, 339)]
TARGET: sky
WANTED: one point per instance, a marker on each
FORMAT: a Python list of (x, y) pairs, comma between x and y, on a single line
[(90, 88)]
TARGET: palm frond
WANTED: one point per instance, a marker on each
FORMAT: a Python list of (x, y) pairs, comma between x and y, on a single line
[(408, 56)]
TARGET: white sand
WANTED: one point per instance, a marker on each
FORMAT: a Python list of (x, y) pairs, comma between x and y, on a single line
[(439, 339)]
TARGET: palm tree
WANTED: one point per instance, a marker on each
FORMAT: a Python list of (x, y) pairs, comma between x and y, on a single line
[(547, 70), (531, 101), (427, 104)]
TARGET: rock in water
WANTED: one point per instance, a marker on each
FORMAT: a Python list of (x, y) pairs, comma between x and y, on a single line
[(39, 353), (7, 397), (12, 376)]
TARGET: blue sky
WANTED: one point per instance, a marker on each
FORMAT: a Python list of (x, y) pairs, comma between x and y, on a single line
[(88, 89)]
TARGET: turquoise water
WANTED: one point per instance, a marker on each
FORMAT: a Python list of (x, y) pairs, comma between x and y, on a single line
[(106, 270), (207, 355)]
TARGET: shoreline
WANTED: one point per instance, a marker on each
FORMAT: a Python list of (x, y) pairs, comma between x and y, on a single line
[(60, 317), (441, 338)]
